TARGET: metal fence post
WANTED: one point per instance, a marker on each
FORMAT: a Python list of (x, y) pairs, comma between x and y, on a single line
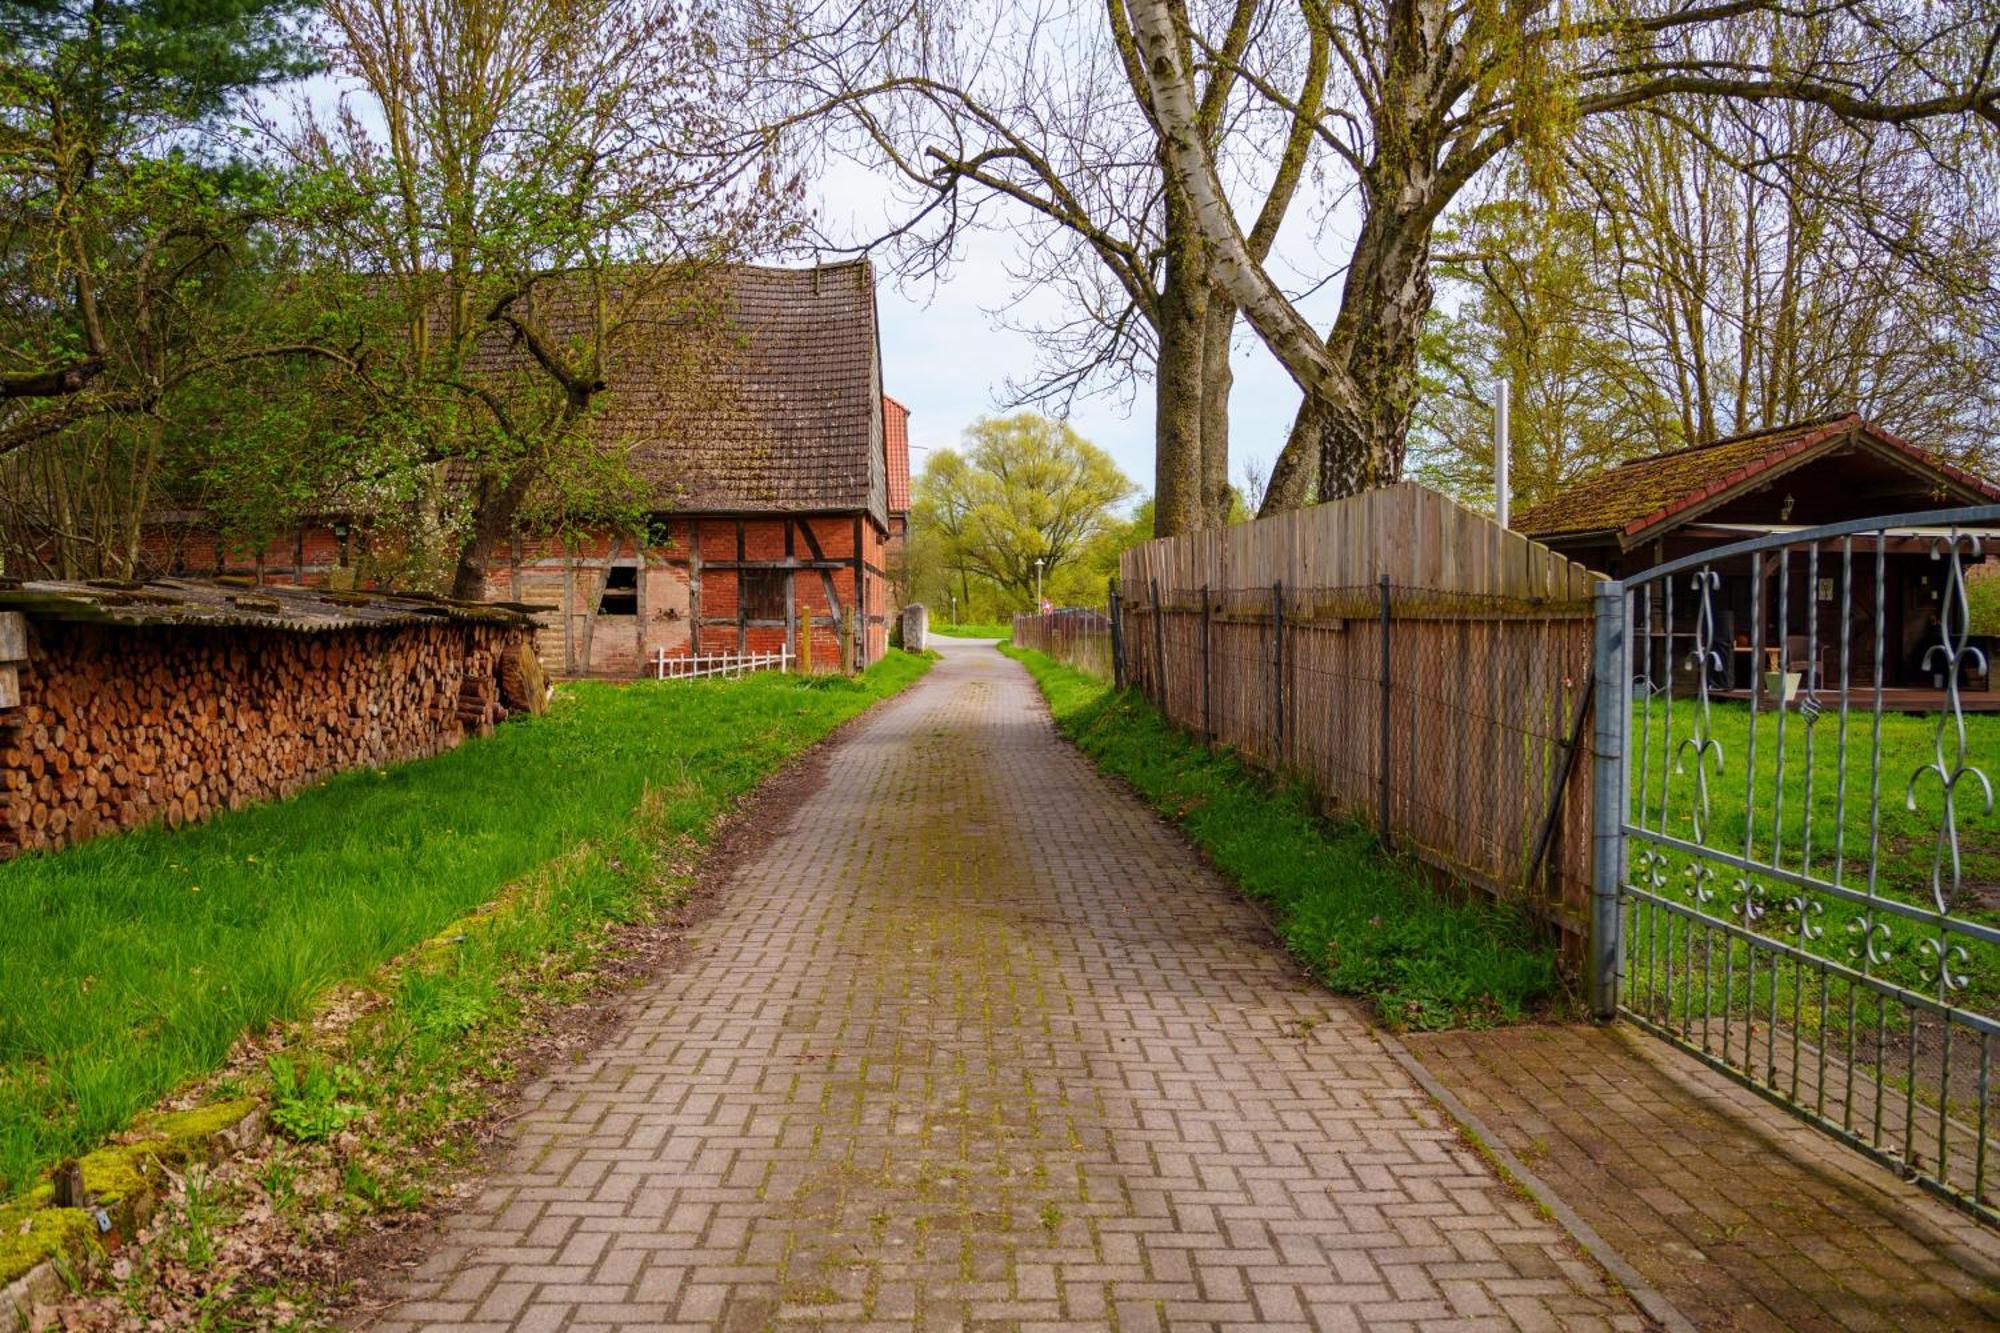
[(1383, 760), (1608, 797), (1207, 713), (1278, 671), (1159, 671)]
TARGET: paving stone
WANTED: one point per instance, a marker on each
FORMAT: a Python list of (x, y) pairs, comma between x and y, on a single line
[(1742, 1216), (976, 1041)]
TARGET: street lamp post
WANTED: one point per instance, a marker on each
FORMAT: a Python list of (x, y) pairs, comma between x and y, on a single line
[(1038, 585), (954, 606)]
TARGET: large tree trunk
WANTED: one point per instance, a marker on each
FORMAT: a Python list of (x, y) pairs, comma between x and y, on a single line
[(1217, 379), (1362, 379), (1375, 340), (497, 505), (1178, 504), (1296, 471), (1335, 453), (1389, 298)]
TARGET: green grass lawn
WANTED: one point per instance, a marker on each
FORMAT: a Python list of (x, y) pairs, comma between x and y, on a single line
[(130, 965), (973, 631), (1984, 611), (1775, 817), (1365, 923), (1768, 1012)]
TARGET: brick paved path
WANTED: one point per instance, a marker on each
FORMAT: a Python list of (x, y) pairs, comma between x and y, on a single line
[(977, 1041)]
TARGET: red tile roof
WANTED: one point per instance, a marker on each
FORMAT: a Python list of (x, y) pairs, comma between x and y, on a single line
[(896, 439), (781, 413), (1637, 496)]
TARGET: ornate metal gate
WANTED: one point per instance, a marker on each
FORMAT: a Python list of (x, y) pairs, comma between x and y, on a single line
[(1797, 857)]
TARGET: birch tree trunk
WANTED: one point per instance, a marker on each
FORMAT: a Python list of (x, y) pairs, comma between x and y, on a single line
[(1217, 381), (1178, 380)]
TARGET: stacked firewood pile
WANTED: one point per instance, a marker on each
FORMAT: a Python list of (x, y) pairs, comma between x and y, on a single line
[(121, 725)]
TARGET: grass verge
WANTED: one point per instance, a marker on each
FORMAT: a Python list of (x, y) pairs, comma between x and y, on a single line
[(1001, 632), (1366, 924), (133, 965)]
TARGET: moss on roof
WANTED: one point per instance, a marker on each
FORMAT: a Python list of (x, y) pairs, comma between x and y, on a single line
[(1636, 495)]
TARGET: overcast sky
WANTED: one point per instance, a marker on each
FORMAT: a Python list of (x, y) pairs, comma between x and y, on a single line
[(946, 356)]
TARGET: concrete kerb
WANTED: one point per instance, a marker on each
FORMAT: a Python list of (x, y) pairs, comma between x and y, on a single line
[(1644, 1294)]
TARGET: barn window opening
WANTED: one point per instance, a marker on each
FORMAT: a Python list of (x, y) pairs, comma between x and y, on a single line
[(763, 593), (621, 592)]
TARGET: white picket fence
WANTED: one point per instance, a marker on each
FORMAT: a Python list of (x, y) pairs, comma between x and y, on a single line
[(722, 664)]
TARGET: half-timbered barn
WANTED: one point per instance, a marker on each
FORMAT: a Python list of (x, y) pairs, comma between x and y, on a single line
[(777, 502), (773, 514)]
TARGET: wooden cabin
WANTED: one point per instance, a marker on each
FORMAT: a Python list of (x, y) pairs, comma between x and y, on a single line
[(1649, 510)]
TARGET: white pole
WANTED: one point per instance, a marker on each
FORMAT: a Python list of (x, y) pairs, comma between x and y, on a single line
[(1500, 450)]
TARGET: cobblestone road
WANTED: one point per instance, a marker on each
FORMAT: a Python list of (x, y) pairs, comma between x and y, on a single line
[(976, 1041)]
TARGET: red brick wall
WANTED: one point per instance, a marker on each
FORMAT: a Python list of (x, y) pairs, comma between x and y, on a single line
[(568, 575)]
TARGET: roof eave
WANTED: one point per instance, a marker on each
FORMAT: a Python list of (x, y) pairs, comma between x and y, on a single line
[(1777, 463), (1849, 430), (1550, 538)]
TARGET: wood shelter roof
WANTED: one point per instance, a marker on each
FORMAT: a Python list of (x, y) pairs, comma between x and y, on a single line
[(1636, 499), (243, 605)]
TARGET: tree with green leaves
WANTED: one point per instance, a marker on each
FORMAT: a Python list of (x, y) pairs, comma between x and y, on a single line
[(537, 189), (131, 227), (1025, 488), (1431, 96), (1529, 315), (1706, 271)]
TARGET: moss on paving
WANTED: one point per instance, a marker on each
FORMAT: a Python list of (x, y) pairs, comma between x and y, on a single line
[(1365, 923), (132, 964)]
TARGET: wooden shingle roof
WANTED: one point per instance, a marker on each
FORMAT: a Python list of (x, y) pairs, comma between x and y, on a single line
[(780, 412), (242, 605), (1634, 499)]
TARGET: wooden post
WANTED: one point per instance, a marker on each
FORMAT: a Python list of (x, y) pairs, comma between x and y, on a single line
[(1159, 651), (13, 652), (1207, 709), (1278, 728), (859, 637), (791, 601), (694, 588), (1384, 756), (1117, 639)]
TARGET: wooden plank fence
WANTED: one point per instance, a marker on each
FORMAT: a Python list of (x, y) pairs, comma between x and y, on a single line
[(1080, 638), (1420, 666)]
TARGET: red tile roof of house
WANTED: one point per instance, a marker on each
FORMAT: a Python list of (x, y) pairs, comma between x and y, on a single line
[(896, 439), (754, 390), (1636, 497)]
